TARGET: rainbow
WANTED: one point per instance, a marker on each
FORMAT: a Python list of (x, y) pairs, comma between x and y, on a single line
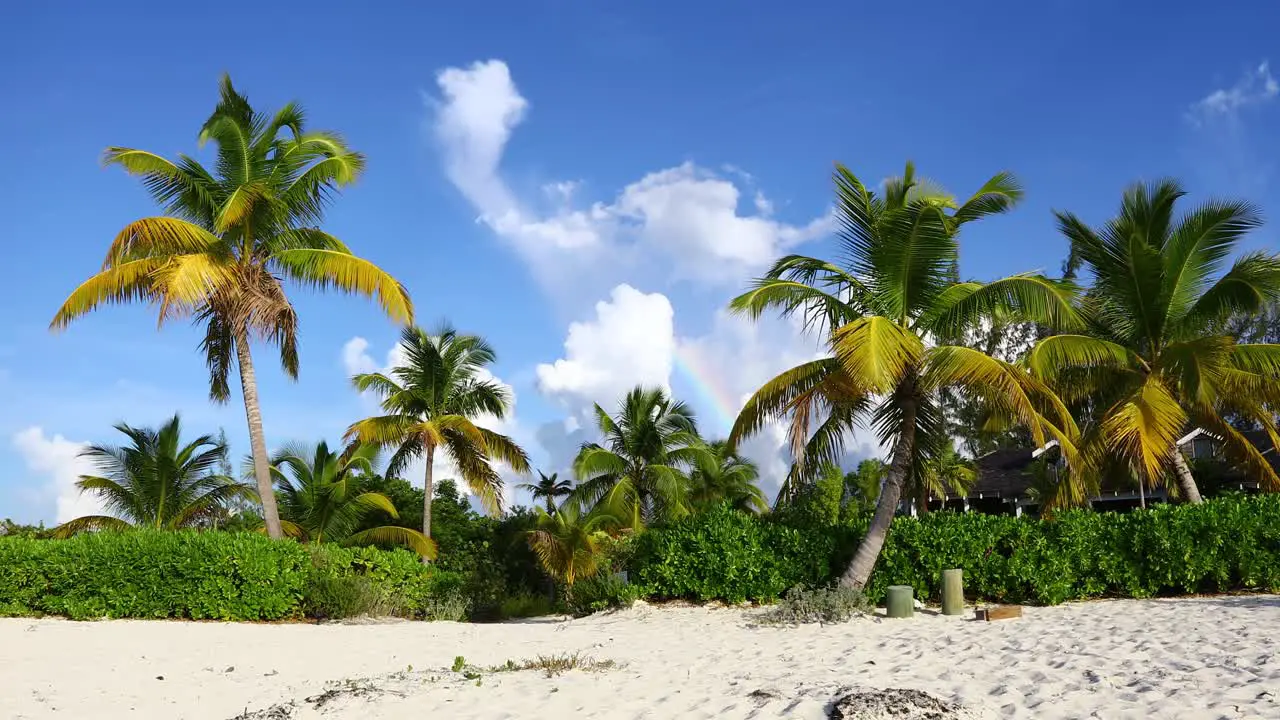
[(713, 395)]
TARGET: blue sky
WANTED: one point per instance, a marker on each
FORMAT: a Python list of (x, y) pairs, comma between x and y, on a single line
[(586, 187)]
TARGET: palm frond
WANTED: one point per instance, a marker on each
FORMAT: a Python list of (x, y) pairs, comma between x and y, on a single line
[(331, 268), (89, 523), (876, 351), (394, 535)]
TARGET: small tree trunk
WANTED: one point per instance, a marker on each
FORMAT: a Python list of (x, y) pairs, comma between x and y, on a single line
[(1186, 483), (257, 443), (429, 489), (923, 500), (864, 561)]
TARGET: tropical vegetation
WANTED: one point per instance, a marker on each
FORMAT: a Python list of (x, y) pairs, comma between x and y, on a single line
[(881, 311), (722, 475), (227, 241), (157, 481), (568, 541), (431, 402), (323, 496), (548, 489), (1154, 355), (1159, 325), (639, 469)]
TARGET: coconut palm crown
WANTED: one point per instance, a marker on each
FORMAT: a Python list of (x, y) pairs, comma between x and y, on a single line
[(431, 401), (891, 295), (1156, 356), (548, 488), (230, 238), (323, 498), (158, 481), (639, 470)]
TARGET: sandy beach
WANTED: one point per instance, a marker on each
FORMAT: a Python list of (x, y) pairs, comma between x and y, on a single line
[(1183, 658)]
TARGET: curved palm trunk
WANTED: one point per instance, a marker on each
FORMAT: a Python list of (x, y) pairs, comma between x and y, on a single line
[(1186, 483), (257, 443), (429, 490), (864, 561)]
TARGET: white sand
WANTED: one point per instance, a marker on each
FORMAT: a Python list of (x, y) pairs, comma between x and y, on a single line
[(1193, 658)]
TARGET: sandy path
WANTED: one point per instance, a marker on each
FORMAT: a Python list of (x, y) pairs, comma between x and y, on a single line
[(1190, 658)]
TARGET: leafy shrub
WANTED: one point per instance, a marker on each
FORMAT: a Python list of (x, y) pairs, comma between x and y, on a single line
[(153, 575), (604, 591), (728, 555), (820, 605), (490, 555), (1230, 543), (525, 605), (333, 597), (210, 575)]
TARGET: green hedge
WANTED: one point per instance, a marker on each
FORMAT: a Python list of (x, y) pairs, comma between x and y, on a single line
[(1224, 544), (210, 575), (727, 555)]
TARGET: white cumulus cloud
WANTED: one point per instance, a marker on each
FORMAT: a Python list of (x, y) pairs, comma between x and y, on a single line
[(684, 221), (630, 342), (58, 460)]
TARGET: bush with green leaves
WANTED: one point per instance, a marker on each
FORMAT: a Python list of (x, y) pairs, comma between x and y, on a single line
[(367, 580), (1231, 543), (732, 556), (152, 574), (211, 575), (602, 591)]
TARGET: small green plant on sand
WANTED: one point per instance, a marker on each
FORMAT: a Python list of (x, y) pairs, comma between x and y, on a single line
[(552, 665), (820, 605)]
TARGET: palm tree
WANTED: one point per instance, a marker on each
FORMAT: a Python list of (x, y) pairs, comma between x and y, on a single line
[(639, 470), (157, 481), (1155, 353), (568, 542), (431, 402), (228, 240), (940, 475), (323, 498), (893, 296), (722, 475), (548, 488)]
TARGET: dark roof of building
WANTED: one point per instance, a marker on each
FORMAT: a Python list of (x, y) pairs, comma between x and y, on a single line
[(1003, 473)]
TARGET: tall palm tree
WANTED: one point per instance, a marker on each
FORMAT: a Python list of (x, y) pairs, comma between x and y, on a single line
[(431, 402), (568, 542), (1156, 354), (548, 488), (640, 469), (157, 481), (324, 498), (228, 241), (944, 473), (722, 475), (894, 295)]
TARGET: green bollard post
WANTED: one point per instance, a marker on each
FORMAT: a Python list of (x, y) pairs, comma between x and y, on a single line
[(899, 602), (952, 592)]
